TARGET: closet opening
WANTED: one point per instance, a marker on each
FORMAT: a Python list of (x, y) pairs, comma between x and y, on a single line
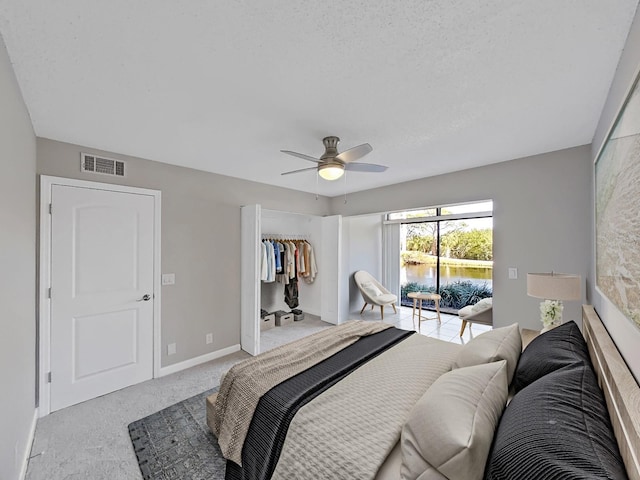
[(290, 275)]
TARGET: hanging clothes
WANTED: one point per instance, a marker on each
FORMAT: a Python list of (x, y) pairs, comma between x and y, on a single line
[(285, 261), (301, 263), (272, 266), (282, 276), (291, 293), (263, 261), (291, 261), (312, 268), (276, 256), (269, 265)]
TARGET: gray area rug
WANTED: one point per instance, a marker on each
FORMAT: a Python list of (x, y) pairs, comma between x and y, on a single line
[(176, 443)]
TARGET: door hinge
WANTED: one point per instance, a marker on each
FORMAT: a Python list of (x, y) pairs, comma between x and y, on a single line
[(50, 208), (49, 293), (49, 377)]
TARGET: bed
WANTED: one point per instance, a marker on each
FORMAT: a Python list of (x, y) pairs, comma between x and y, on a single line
[(381, 403)]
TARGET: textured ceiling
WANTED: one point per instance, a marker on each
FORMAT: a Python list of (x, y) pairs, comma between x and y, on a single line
[(434, 86)]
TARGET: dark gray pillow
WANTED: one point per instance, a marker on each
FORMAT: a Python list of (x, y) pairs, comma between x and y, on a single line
[(550, 351), (556, 428)]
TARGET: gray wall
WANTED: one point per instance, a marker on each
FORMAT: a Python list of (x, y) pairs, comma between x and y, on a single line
[(363, 251), (625, 334), (17, 264), (541, 219), (200, 240), (626, 72)]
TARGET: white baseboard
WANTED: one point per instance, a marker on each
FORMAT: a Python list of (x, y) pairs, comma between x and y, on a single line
[(27, 449), (192, 362)]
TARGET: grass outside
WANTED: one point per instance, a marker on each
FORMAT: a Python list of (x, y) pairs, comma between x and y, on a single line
[(410, 257)]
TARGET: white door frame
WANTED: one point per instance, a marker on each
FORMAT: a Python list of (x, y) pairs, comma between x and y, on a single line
[(44, 307)]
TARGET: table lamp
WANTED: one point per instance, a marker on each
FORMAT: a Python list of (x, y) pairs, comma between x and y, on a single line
[(553, 288)]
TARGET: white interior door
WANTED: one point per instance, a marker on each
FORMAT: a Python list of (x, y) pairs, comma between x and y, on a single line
[(102, 286)]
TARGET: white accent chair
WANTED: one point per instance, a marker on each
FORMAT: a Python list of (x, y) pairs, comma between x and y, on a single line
[(481, 312), (374, 293)]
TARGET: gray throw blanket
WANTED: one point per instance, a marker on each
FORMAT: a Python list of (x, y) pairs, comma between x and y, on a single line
[(244, 384)]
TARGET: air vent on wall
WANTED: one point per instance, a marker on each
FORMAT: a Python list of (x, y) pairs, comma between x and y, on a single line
[(106, 166)]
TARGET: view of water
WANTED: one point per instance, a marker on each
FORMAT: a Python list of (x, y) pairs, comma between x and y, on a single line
[(426, 274)]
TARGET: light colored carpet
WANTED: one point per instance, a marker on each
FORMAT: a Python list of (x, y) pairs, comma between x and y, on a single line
[(91, 441)]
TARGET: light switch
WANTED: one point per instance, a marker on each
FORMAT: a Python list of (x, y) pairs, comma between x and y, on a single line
[(513, 273), (168, 279)]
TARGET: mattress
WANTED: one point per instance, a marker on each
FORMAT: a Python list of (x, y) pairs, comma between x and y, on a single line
[(365, 392)]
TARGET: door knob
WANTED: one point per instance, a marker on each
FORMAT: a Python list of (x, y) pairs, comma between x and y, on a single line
[(145, 298)]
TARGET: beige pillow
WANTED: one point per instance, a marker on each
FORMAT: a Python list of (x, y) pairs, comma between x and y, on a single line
[(482, 305), (449, 431), (371, 289), (503, 343)]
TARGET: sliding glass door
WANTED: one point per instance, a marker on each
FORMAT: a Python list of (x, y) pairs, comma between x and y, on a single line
[(448, 250)]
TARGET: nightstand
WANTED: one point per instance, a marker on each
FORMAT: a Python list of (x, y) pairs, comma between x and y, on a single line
[(527, 336)]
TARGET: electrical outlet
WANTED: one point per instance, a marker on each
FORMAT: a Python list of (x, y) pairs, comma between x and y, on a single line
[(209, 338), (171, 349)]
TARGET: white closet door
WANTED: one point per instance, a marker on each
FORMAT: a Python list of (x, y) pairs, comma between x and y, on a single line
[(250, 279), (331, 272)]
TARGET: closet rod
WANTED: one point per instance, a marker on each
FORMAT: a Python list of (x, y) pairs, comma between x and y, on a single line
[(284, 236)]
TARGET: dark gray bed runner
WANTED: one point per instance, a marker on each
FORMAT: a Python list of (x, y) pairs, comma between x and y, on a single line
[(278, 406)]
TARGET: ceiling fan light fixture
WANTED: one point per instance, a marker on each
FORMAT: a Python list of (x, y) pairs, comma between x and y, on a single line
[(332, 165), (331, 171)]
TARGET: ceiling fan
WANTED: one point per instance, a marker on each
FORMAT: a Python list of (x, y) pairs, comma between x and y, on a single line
[(332, 165)]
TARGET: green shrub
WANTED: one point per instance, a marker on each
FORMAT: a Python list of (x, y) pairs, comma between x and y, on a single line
[(454, 295)]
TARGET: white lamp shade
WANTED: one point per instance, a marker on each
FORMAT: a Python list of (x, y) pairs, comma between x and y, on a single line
[(554, 286), (330, 171)]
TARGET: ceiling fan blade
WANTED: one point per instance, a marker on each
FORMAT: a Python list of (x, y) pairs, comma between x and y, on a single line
[(301, 155), (298, 171), (365, 167), (354, 153)]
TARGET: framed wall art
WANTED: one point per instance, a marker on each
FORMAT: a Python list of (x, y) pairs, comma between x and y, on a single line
[(617, 210)]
